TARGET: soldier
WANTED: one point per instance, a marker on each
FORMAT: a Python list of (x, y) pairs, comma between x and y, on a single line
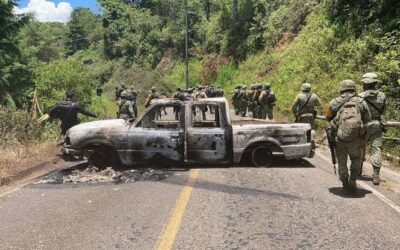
[(242, 101), (235, 100), (133, 99), (125, 105), (152, 95), (304, 105), (178, 95), (188, 94), (211, 93), (99, 90), (257, 105), (200, 94), (348, 115), (376, 101), (267, 101), (67, 111), (219, 92), (250, 102), (117, 92)]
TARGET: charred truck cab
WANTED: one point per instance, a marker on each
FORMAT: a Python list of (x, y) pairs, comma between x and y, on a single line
[(174, 133)]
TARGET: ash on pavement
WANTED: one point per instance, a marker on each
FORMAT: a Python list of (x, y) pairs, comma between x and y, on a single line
[(85, 173)]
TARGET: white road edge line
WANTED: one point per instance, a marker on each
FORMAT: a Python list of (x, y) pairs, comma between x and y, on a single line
[(369, 188)]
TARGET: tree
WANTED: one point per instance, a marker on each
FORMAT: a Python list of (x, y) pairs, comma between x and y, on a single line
[(84, 29), (131, 33), (53, 80), (14, 73)]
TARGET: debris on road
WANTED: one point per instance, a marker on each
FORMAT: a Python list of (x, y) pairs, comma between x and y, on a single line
[(91, 174)]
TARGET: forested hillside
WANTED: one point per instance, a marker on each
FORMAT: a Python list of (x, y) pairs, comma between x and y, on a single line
[(141, 43)]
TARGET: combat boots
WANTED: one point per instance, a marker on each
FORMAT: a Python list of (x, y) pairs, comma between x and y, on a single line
[(375, 176), (345, 188), (352, 186)]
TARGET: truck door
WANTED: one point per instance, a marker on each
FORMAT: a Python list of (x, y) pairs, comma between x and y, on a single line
[(158, 138), (206, 134)]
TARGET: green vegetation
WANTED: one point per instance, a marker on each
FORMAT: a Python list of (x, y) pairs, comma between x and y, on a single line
[(141, 44)]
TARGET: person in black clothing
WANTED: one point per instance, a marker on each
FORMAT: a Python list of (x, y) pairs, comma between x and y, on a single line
[(99, 90), (67, 111)]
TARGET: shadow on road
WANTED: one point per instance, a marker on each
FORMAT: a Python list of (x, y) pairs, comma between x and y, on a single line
[(280, 162), (218, 187), (338, 191)]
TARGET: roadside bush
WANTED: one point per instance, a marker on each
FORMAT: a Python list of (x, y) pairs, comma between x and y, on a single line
[(19, 128), (54, 79)]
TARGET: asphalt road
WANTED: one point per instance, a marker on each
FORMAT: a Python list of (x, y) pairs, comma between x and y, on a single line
[(294, 205)]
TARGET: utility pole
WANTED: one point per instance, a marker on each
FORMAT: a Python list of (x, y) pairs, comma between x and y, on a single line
[(186, 45)]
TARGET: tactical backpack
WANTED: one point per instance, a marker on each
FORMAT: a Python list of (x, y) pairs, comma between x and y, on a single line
[(349, 122)]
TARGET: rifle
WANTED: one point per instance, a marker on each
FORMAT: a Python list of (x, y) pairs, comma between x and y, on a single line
[(332, 146)]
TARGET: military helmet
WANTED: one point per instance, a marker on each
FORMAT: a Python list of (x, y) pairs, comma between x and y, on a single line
[(258, 86), (347, 85), (252, 87), (153, 89), (244, 86), (267, 85), (370, 78), (125, 95), (306, 87)]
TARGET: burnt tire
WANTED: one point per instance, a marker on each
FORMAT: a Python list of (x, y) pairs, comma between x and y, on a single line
[(104, 157), (261, 156)]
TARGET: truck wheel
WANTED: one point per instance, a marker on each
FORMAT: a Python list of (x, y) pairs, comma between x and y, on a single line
[(261, 157), (103, 158)]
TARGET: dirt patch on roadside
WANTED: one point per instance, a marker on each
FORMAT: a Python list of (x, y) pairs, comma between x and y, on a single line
[(85, 173), (18, 159)]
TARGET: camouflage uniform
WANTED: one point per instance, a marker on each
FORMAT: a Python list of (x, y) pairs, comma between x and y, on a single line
[(376, 101), (220, 92), (354, 148), (117, 92), (125, 105), (200, 94), (134, 100), (235, 99), (242, 101), (152, 95), (257, 106), (250, 101), (178, 95), (304, 105), (266, 102)]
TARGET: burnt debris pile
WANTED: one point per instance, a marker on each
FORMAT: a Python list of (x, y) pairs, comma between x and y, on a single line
[(91, 175)]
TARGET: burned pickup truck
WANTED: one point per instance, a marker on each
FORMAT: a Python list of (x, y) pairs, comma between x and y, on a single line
[(188, 133)]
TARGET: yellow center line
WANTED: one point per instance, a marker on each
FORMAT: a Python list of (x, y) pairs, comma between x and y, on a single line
[(170, 232)]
